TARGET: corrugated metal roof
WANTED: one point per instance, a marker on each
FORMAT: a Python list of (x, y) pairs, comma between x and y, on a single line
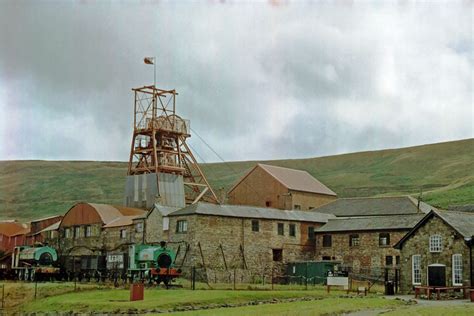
[(121, 221), (109, 213), (251, 212), (399, 205), (45, 218), (298, 180), (54, 226), (371, 223), (13, 228)]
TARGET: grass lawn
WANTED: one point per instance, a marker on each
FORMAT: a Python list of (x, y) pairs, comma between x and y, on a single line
[(326, 306), (465, 309), (115, 300)]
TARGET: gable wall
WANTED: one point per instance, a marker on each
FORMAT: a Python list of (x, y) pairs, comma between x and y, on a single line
[(418, 244)]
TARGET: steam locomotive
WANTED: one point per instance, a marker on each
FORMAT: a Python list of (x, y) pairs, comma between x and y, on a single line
[(154, 264)]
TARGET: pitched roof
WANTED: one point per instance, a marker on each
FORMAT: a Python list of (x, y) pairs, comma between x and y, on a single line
[(121, 221), (462, 222), (110, 213), (242, 211), (371, 223), (297, 180), (54, 226), (13, 228), (399, 205)]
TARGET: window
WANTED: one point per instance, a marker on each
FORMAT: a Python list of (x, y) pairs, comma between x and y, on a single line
[(327, 241), (181, 226), (384, 239), (416, 269), (388, 260), (268, 204), (310, 207), (457, 269), (123, 233), (397, 260), (281, 229), (292, 230), (166, 223), (354, 240), (255, 225), (77, 232), (88, 231), (67, 233), (311, 233), (277, 254), (435, 243), (326, 258), (297, 207), (139, 227)]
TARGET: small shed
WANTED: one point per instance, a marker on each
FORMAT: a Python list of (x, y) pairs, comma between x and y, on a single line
[(315, 272)]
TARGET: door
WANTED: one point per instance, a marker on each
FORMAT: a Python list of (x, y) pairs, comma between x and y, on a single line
[(437, 275)]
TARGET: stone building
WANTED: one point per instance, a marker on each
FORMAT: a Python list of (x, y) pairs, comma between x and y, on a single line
[(89, 228), (281, 188), (225, 237), (364, 244), (438, 251)]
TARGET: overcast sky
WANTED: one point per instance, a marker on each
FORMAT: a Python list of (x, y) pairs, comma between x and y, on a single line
[(257, 81)]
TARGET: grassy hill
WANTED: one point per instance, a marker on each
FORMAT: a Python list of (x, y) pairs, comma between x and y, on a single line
[(445, 171)]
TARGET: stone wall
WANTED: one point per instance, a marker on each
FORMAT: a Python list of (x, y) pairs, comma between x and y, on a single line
[(226, 243), (418, 244), (368, 257)]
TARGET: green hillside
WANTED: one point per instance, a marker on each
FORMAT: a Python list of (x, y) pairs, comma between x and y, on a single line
[(445, 171)]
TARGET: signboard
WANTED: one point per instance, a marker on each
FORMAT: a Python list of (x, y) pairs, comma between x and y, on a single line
[(338, 281)]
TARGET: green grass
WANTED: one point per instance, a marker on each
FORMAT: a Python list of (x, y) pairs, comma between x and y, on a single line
[(445, 171), (118, 299), (464, 310), (329, 306)]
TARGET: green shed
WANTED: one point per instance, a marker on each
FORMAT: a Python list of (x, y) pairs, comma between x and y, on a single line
[(314, 271)]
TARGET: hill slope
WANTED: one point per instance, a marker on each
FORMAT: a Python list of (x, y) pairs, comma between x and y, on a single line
[(445, 171)]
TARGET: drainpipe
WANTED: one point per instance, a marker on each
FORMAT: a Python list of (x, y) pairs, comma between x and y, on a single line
[(469, 242)]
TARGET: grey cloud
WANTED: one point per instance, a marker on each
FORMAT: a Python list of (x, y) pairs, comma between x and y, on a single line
[(257, 82)]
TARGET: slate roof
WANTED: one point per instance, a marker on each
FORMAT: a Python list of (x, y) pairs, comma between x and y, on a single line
[(251, 212), (399, 205), (462, 222), (345, 224), (296, 180)]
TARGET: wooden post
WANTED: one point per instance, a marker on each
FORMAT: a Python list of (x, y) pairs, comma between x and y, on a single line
[(3, 296), (193, 278), (36, 287), (272, 278), (234, 278)]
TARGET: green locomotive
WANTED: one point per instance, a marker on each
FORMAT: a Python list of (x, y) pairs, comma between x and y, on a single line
[(152, 263), (35, 263)]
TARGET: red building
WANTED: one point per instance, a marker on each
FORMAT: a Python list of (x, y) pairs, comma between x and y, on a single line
[(12, 234)]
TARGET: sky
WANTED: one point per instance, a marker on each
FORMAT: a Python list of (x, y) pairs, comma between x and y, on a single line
[(258, 80)]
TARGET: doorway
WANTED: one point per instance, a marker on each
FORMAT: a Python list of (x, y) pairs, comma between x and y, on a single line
[(437, 275)]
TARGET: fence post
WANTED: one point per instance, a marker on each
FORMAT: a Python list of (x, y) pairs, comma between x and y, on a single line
[(193, 278), (234, 278), (36, 287), (306, 277), (272, 278), (3, 295)]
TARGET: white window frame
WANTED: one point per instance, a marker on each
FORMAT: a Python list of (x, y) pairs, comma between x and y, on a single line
[(457, 268), (166, 223), (67, 233), (139, 227), (123, 234), (436, 243), (88, 232), (415, 277), (77, 232)]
